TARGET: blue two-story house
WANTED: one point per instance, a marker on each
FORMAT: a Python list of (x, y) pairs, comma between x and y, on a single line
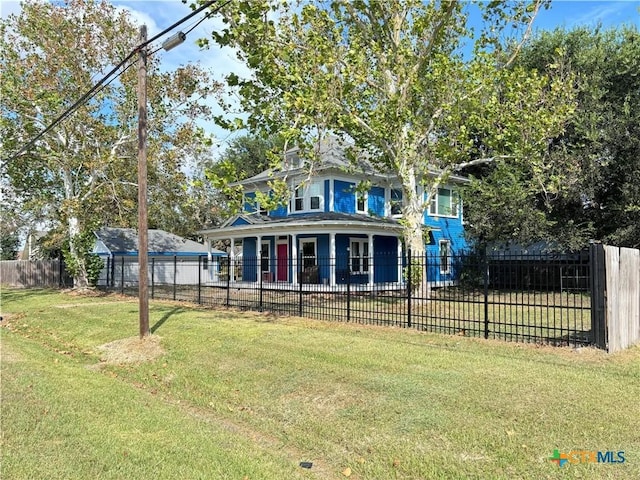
[(332, 232)]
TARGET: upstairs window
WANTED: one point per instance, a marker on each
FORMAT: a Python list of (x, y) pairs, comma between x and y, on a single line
[(308, 197), (445, 203), (315, 195), (298, 200), (361, 202), (396, 201)]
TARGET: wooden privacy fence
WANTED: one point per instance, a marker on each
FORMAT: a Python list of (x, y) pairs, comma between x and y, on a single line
[(33, 273), (622, 277)]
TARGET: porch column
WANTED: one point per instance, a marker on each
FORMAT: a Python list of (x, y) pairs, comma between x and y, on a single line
[(371, 265), (294, 259), (232, 260), (258, 257), (210, 270), (399, 261), (332, 259)]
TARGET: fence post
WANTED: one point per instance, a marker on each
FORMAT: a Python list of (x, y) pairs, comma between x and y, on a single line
[(199, 279), (122, 275), (60, 270), (229, 267), (409, 285), (259, 260), (485, 275), (598, 285), (153, 276), (175, 271), (299, 289), (113, 271), (348, 284)]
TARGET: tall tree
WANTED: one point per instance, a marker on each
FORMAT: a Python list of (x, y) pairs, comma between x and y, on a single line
[(246, 156), (409, 82), (597, 195), (82, 172)]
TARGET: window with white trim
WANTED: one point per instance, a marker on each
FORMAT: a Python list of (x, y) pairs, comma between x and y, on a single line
[(308, 197), (359, 255), (396, 201), (444, 250), (264, 256), (361, 202), (308, 251), (445, 203)]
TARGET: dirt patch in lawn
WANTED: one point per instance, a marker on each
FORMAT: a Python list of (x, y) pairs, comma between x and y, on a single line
[(131, 350)]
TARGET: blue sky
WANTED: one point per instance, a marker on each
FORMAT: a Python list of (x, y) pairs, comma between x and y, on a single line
[(160, 14)]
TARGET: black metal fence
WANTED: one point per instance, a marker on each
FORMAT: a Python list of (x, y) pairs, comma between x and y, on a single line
[(545, 298)]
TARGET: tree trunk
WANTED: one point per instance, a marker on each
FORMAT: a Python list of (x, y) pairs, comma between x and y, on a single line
[(80, 277), (77, 260), (413, 220)]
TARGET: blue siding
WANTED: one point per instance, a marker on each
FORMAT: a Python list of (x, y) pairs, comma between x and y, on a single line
[(327, 195), (376, 201), (385, 259), (344, 197), (447, 229), (249, 202), (239, 221), (249, 263), (281, 211)]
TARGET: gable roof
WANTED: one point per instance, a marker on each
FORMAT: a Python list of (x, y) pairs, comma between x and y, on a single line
[(124, 241)]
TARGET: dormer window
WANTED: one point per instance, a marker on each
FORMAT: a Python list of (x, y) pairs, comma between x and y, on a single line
[(308, 197)]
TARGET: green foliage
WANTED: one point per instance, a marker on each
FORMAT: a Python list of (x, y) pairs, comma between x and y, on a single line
[(245, 157), (413, 274), (81, 261), (9, 242), (83, 172), (391, 76), (590, 189)]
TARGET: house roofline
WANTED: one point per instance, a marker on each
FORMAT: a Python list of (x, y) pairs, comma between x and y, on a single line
[(298, 227), (261, 178)]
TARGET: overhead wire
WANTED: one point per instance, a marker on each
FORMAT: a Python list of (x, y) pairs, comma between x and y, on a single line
[(102, 83)]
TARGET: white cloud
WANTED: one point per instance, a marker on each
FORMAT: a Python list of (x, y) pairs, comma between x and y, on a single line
[(603, 12), (159, 15)]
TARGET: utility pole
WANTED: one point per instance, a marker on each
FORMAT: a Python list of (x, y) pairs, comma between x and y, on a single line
[(143, 282)]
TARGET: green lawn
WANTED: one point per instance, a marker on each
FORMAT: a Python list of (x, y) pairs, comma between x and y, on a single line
[(240, 395)]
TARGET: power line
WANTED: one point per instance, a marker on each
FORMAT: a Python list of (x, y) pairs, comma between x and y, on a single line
[(99, 86)]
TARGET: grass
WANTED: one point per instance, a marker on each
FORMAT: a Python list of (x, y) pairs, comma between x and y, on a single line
[(242, 395)]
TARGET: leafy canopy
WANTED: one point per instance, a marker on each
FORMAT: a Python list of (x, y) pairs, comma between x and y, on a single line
[(415, 88)]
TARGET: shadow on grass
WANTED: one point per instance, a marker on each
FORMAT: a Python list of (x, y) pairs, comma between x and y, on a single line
[(14, 294), (165, 317)]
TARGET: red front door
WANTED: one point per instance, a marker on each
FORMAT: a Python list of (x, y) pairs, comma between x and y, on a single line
[(282, 251)]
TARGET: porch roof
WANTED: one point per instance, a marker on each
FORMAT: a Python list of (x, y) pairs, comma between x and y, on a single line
[(321, 222)]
